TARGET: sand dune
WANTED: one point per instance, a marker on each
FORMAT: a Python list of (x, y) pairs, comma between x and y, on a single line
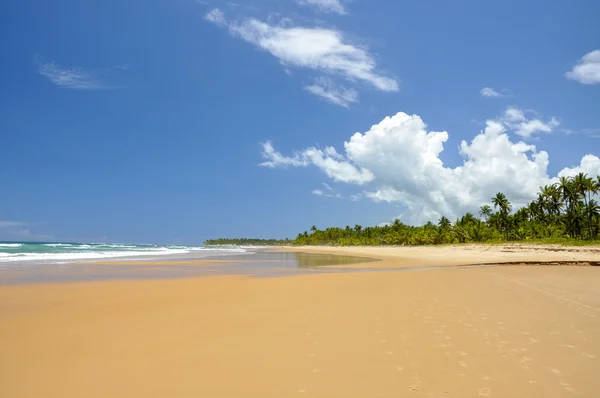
[(509, 331)]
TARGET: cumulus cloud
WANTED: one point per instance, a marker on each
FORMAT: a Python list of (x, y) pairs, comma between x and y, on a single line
[(317, 49), (589, 164), (515, 120), (325, 5), (328, 90), (587, 71), (490, 92), (398, 161), (75, 77)]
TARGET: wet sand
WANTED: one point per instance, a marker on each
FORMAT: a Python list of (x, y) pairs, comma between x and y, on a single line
[(509, 331)]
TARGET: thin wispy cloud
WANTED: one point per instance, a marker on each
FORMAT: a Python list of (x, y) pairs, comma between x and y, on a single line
[(334, 6), (490, 93), (594, 133), (587, 71), (216, 16), (5, 224), (328, 90), (77, 78), (327, 192), (318, 49)]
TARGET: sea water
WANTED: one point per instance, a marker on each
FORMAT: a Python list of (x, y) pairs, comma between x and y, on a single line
[(18, 253)]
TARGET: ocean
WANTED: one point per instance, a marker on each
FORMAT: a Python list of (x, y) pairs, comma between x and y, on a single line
[(14, 253)]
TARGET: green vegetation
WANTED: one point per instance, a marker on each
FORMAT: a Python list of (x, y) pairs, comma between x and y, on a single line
[(246, 242), (563, 213)]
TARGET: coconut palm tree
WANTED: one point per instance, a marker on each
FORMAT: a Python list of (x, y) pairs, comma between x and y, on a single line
[(571, 197), (583, 185), (444, 223), (485, 211), (358, 229), (593, 212), (504, 207)]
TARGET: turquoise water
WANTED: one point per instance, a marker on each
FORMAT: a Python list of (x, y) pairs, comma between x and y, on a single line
[(18, 252)]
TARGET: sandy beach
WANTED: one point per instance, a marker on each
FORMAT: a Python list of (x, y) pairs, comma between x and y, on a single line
[(505, 331), (453, 255)]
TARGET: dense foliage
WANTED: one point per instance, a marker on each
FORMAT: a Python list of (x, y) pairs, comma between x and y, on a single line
[(246, 242), (566, 210)]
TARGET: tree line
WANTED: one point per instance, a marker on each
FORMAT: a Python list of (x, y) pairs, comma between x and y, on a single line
[(246, 242), (565, 210)]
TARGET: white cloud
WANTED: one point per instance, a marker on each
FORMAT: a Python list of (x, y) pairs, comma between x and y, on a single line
[(319, 49), (216, 16), (587, 71), (400, 160), (515, 120), (325, 5), (328, 192), (275, 159), (328, 160), (589, 164), (75, 77), (490, 92), (4, 224), (327, 89)]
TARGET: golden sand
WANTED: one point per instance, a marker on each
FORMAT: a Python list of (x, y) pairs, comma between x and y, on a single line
[(511, 331)]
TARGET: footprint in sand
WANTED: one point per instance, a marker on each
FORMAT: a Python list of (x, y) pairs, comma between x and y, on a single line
[(588, 355), (484, 392)]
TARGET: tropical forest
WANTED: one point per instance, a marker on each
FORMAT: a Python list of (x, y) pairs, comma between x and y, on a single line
[(565, 212)]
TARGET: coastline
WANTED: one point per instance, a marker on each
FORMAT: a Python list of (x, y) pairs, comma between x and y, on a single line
[(445, 332), (456, 255)]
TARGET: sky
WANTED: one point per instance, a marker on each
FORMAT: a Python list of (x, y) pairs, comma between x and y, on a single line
[(174, 121)]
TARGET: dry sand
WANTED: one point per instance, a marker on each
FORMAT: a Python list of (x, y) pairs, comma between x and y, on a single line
[(440, 256), (511, 331)]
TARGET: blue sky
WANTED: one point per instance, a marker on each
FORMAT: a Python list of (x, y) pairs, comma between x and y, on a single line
[(176, 121)]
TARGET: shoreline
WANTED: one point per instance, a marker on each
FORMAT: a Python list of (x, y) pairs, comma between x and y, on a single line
[(440, 256)]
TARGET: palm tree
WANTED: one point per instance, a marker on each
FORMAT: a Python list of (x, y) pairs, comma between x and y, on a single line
[(504, 207), (570, 196), (583, 185), (468, 218), (444, 223), (593, 212), (593, 189), (485, 211)]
